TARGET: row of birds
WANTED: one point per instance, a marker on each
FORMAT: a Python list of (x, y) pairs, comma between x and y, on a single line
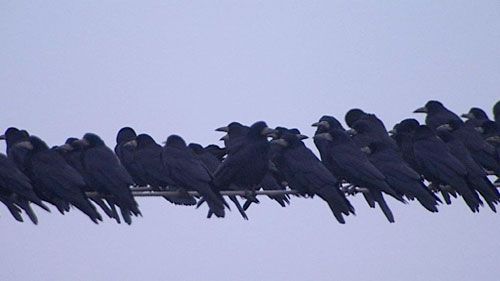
[(448, 153)]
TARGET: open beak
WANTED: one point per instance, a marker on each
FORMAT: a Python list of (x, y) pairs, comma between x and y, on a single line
[(421, 110), (280, 142), (323, 136), (321, 124), (222, 129), (444, 127)]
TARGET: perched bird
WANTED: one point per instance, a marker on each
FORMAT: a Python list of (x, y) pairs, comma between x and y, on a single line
[(18, 146), (364, 131), (476, 176), (399, 175), (217, 151), (437, 114), (440, 167), (476, 116), (188, 171), (351, 164), (150, 169), (16, 189), (483, 153), (57, 182), (496, 112), (247, 161), (305, 172), (108, 176), (402, 133), (72, 152), (125, 150)]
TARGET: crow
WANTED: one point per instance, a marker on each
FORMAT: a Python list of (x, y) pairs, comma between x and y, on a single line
[(305, 173), (483, 153), (72, 152), (108, 176), (150, 169), (399, 175), (476, 176), (16, 188), (125, 150), (365, 131), (57, 182), (353, 165), (402, 133), (440, 167), (437, 114), (18, 146), (188, 171), (216, 151)]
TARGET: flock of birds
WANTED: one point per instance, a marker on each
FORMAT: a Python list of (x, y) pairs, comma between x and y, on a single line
[(454, 157)]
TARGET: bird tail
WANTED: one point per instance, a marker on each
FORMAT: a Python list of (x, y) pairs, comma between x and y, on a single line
[(25, 205), (379, 198), (339, 205), (13, 209), (86, 207), (487, 190)]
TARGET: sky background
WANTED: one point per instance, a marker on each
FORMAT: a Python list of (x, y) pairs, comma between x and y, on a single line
[(186, 67)]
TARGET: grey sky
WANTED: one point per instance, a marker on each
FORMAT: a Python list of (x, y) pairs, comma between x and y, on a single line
[(182, 67)]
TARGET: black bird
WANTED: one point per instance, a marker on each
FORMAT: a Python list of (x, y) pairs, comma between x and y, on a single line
[(108, 176), (325, 124), (305, 172), (476, 116), (437, 114), (72, 152), (217, 151), (125, 150), (476, 176), (351, 164), (188, 171), (57, 182), (399, 175), (402, 133), (496, 112), (483, 153), (440, 167), (354, 115), (18, 146), (365, 131), (150, 169), (16, 188)]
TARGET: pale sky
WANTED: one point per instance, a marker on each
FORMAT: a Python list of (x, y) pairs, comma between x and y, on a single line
[(186, 67)]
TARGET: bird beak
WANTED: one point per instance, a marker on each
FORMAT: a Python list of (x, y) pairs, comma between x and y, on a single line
[(225, 137), (302, 137), (494, 139), (366, 150), (24, 144), (267, 132), (352, 132), (222, 129), (280, 142), (82, 142), (479, 129), (321, 124), (444, 127), (132, 143), (323, 136), (392, 132), (66, 147), (273, 135), (2, 137), (467, 115), (421, 110)]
